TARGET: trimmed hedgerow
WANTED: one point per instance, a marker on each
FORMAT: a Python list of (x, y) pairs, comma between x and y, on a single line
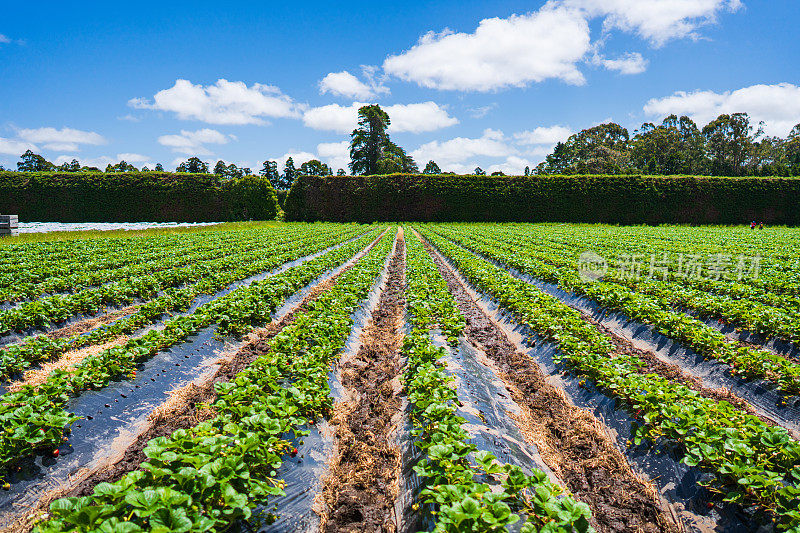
[(135, 196), (629, 199)]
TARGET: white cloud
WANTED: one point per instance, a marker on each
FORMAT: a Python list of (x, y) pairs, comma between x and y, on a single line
[(332, 117), (4, 39), (777, 105), (543, 135), (65, 139), (630, 63), (104, 160), (413, 118), (336, 155), (133, 158), (500, 53), (480, 112), (512, 166), (99, 162), (347, 85), (298, 158), (193, 142), (658, 21), (15, 146), (455, 154), (225, 102)]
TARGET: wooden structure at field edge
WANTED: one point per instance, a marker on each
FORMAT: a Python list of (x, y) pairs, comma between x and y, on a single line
[(9, 225)]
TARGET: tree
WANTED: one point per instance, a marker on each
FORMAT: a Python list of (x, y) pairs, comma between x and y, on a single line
[(31, 162), (315, 167), (395, 159), (194, 166), (479, 171), (159, 167), (289, 174), (432, 168), (368, 140), (145, 169), (527, 170), (122, 166), (498, 173), (341, 172), (729, 141), (270, 171), (601, 149), (72, 166), (220, 168), (792, 151)]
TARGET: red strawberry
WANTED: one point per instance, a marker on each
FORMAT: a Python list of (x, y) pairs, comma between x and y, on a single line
[(294, 452), (55, 452)]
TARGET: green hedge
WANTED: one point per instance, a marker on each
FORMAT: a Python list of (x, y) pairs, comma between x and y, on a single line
[(630, 199), (135, 196)]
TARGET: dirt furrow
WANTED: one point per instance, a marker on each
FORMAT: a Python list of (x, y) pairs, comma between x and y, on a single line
[(186, 407), (572, 441), (363, 482)]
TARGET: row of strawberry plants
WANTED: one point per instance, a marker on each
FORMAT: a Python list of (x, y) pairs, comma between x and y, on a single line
[(84, 256), (745, 361), (16, 358), (135, 261), (35, 418), (214, 474), (58, 308), (455, 473), (753, 308), (752, 463), (777, 273)]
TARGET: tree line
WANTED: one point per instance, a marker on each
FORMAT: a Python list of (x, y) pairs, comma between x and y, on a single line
[(727, 146)]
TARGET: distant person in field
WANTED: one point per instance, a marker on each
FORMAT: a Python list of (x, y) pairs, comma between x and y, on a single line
[(761, 225), (753, 225)]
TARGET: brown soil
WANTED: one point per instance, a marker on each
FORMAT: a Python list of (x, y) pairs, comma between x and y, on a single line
[(572, 441), (90, 323), (37, 376), (186, 407), (363, 483)]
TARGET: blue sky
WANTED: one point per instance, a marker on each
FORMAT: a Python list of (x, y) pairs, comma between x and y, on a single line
[(466, 83)]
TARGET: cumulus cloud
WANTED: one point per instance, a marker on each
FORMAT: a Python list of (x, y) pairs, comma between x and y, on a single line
[(104, 160), (458, 154), (777, 105), (336, 155), (630, 63), (347, 85), (225, 102), (548, 44), (657, 21), (510, 52), (548, 135), (298, 158), (413, 118), (15, 146), (513, 166), (194, 142), (65, 139)]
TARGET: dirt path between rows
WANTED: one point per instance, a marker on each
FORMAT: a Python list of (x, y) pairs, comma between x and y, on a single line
[(572, 441), (91, 323), (363, 483), (186, 407)]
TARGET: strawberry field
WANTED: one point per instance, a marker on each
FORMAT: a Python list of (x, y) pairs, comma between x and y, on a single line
[(402, 377)]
